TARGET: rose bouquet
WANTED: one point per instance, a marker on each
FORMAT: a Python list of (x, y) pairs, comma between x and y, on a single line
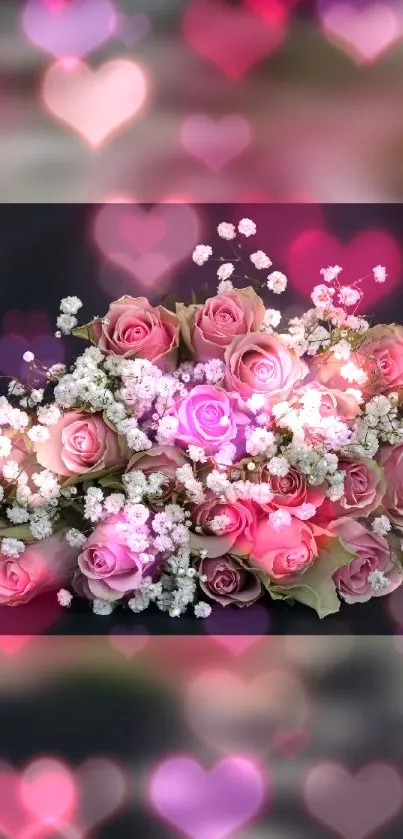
[(199, 454)]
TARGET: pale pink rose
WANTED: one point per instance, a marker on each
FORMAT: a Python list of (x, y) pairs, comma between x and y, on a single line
[(383, 352), (333, 402), (80, 444), (43, 566), (291, 491), (208, 329), (260, 363), (138, 330), (208, 417), (284, 553), (165, 459), (372, 553), (324, 369), (364, 488), (228, 583), (236, 535), (390, 458), (111, 569)]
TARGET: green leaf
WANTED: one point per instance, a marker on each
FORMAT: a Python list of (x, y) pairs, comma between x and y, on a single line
[(316, 587), (82, 331), (20, 531)]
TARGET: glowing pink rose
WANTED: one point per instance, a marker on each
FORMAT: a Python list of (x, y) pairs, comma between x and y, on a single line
[(228, 583), (236, 534), (284, 553), (208, 329), (80, 443), (138, 330), (292, 491), (260, 363), (364, 488), (43, 566), (208, 417), (372, 554), (111, 569), (390, 458)]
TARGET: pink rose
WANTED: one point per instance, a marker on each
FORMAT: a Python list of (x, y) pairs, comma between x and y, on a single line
[(284, 553), (164, 459), (260, 363), (208, 417), (324, 369), (111, 569), (138, 330), (208, 329), (228, 527), (383, 353), (44, 565), (80, 443), (390, 459), (364, 488), (333, 402), (292, 491), (357, 582), (228, 583)]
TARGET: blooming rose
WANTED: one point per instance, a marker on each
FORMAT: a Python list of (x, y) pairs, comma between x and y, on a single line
[(324, 369), (390, 459), (44, 565), (236, 534), (260, 363), (138, 330), (364, 487), (207, 330), (383, 353), (79, 444), (284, 553), (372, 554), (111, 569), (292, 490), (207, 417), (333, 402), (227, 582)]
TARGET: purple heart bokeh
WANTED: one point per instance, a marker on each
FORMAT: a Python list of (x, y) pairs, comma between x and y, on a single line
[(70, 31), (238, 629)]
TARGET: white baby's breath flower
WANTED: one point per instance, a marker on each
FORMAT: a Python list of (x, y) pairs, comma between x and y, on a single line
[(201, 254), (331, 273), (38, 433), (247, 227), (272, 318), (70, 305), (226, 230), (202, 610), (260, 260), (225, 286), (280, 518), (379, 273), (102, 607), (277, 282), (28, 356), (64, 597), (225, 271), (75, 538), (12, 548), (381, 525)]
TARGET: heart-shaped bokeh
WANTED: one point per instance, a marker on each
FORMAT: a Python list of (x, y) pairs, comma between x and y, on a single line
[(68, 29), (215, 142), (364, 29), (238, 629)]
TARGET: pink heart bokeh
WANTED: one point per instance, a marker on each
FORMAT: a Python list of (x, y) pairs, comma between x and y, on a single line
[(215, 142), (364, 33), (68, 30)]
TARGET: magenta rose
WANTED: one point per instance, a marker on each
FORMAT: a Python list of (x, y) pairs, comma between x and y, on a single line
[(111, 569), (43, 566), (208, 329), (208, 417), (373, 572), (390, 459), (80, 444), (228, 583), (364, 488), (228, 527), (284, 553), (291, 491), (260, 363), (135, 329), (164, 459)]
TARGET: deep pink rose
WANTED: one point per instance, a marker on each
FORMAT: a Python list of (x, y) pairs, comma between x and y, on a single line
[(236, 534), (284, 553), (260, 363), (43, 566), (291, 491), (138, 330), (111, 568), (208, 329), (165, 459), (364, 487), (372, 553), (390, 459), (80, 444), (228, 583), (208, 417)]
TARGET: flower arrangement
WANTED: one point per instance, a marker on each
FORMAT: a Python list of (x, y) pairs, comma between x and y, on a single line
[(199, 454)]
